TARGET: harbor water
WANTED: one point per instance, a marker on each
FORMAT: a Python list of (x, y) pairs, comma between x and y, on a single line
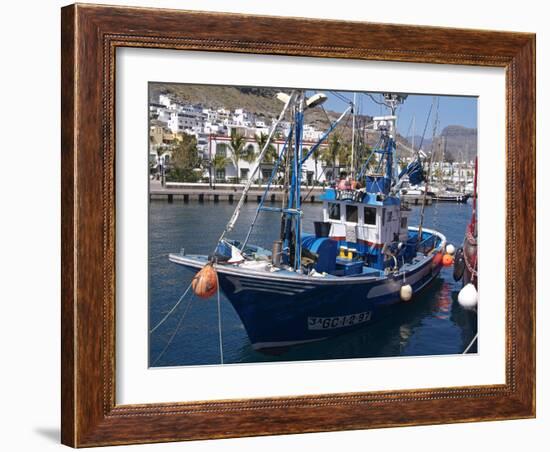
[(433, 323)]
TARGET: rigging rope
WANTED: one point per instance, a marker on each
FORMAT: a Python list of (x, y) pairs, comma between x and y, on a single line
[(313, 186), (374, 100), (341, 97), (219, 321), (171, 310), (326, 114), (425, 127), (180, 322), (409, 130), (470, 344)]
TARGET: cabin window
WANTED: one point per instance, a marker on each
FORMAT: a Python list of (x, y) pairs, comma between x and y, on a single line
[(351, 213), (389, 215), (403, 222), (369, 215), (333, 211)]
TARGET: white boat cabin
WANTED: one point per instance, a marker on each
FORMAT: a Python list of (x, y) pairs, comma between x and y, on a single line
[(356, 217)]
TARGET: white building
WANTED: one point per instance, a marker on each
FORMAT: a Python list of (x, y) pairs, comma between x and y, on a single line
[(311, 133), (220, 146), (182, 121), (166, 100)]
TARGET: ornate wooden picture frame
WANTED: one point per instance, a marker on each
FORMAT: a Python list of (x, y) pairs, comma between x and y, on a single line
[(90, 37)]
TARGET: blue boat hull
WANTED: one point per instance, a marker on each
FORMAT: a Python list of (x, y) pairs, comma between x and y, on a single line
[(283, 313), (280, 309)]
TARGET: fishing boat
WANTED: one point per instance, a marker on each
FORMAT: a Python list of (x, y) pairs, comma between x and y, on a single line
[(449, 195), (363, 261), (435, 194)]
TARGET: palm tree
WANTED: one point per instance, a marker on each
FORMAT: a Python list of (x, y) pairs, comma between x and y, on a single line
[(270, 155), (344, 155), (219, 163), (332, 152), (316, 156), (249, 154), (236, 143)]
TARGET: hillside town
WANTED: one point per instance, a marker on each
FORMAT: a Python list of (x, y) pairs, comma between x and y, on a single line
[(225, 143), (191, 143)]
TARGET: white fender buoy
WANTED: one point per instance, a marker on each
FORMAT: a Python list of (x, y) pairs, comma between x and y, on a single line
[(406, 292), (450, 249), (467, 297)]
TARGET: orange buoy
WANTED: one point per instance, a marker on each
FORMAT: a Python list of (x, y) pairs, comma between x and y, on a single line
[(205, 282), (447, 260), (436, 260)]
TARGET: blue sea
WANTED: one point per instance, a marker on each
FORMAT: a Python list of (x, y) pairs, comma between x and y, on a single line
[(433, 324)]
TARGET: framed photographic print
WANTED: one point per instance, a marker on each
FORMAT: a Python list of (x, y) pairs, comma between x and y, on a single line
[(281, 225)]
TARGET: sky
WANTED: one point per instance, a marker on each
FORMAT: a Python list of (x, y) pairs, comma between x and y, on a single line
[(453, 110)]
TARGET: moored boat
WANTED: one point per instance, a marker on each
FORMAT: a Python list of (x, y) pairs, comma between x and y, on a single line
[(451, 196), (363, 260)]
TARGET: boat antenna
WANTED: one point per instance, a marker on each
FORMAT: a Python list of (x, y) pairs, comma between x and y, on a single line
[(393, 100)]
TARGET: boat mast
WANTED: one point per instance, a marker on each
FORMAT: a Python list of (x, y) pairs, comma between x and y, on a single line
[(291, 216), (352, 172), (414, 131), (427, 184), (442, 164), (297, 182), (392, 101)]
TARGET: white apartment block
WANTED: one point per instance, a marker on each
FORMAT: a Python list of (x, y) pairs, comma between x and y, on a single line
[(220, 146)]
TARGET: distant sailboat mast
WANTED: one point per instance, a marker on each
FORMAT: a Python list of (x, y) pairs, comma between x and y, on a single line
[(353, 112), (435, 104)]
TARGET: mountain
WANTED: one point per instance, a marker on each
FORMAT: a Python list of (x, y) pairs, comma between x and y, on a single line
[(459, 142), (257, 100)]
